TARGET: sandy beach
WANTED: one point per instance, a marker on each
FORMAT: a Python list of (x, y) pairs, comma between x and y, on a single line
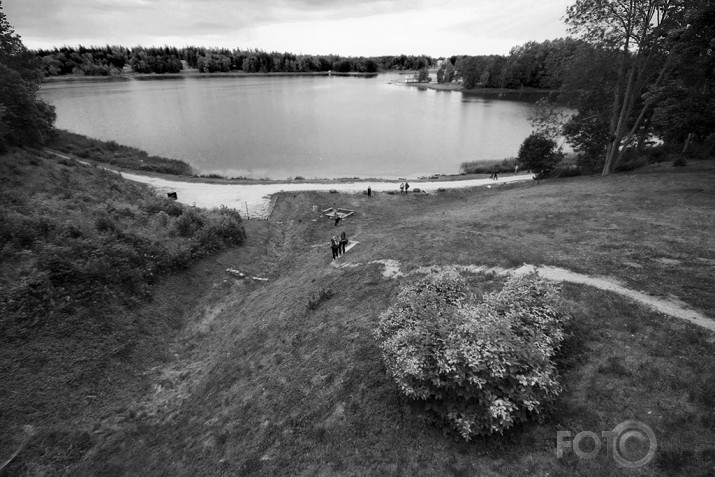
[(256, 198)]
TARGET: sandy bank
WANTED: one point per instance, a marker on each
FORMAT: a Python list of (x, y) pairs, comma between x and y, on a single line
[(257, 197)]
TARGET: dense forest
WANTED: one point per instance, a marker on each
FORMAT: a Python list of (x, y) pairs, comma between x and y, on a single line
[(112, 60), (532, 65), (535, 65)]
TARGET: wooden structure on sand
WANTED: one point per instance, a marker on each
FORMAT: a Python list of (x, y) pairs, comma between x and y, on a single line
[(342, 213)]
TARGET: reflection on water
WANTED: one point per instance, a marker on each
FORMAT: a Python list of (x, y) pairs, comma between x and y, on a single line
[(297, 126)]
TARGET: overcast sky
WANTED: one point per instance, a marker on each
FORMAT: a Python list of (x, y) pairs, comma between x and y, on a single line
[(345, 27)]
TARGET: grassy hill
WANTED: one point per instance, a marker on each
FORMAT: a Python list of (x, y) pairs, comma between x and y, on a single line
[(264, 378), (81, 252)]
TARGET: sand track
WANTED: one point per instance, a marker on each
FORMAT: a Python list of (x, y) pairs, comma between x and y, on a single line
[(255, 199)]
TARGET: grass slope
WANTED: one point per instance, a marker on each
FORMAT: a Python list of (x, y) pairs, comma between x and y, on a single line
[(265, 379), (81, 251)]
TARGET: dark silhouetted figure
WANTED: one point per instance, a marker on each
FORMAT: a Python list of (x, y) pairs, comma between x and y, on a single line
[(343, 242), (369, 191), (335, 246)]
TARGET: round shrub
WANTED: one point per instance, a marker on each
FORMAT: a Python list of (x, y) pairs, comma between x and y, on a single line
[(189, 222), (539, 154), (482, 366)]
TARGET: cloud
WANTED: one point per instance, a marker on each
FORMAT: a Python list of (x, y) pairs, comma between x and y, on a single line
[(346, 27)]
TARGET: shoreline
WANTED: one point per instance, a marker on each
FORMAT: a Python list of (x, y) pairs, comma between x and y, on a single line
[(255, 199), (451, 87), (197, 74)]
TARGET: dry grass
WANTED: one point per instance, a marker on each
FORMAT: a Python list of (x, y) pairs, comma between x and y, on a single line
[(274, 387)]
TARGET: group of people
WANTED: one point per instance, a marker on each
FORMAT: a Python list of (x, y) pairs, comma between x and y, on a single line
[(495, 175), (338, 244), (404, 187)]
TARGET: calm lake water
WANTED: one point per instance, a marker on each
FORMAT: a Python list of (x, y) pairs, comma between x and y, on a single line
[(282, 127)]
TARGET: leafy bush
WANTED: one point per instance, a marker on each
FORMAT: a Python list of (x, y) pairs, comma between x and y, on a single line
[(539, 154), (84, 237), (678, 160), (565, 170), (188, 223), (657, 154), (324, 294), (25, 119), (479, 367)]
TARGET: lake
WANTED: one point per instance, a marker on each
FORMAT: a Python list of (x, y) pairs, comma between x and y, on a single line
[(309, 126)]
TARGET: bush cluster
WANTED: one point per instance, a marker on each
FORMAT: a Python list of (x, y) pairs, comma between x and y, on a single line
[(479, 366), (539, 154), (117, 155), (324, 294), (78, 235)]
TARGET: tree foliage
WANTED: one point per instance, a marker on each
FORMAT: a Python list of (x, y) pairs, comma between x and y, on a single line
[(111, 60), (547, 118), (539, 154), (423, 76), (24, 118), (653, 61), (532, 65), (685, 104)]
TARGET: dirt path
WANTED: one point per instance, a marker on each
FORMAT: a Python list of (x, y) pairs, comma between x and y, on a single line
[(255, 199), (672, 306)]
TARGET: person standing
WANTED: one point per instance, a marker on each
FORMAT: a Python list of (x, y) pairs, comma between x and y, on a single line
[(407, 187), (336, 217), (402, 187), (343, 242), (369, 191), (335, 246)]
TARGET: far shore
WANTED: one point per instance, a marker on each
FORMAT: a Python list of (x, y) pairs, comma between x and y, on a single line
[(193, 73)]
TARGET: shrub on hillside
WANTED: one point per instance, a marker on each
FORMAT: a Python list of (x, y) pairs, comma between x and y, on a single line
[(539, 154), (479, 367), (116, 154), (84, 236)]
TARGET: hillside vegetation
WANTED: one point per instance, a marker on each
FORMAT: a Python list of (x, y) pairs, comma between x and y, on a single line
[(81, 251), (116, 155)]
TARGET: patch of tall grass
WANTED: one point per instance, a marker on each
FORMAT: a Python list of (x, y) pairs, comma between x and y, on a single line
[(114, 154), (79, 235), (488, 166)]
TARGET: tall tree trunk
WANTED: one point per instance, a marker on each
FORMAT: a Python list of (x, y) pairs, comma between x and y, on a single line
[(614, 111), (617, 104), (617, 135), (661, 76), (644, 132)]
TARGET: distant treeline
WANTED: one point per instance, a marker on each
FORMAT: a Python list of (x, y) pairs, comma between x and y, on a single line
[(112, 60), (532, 65)]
